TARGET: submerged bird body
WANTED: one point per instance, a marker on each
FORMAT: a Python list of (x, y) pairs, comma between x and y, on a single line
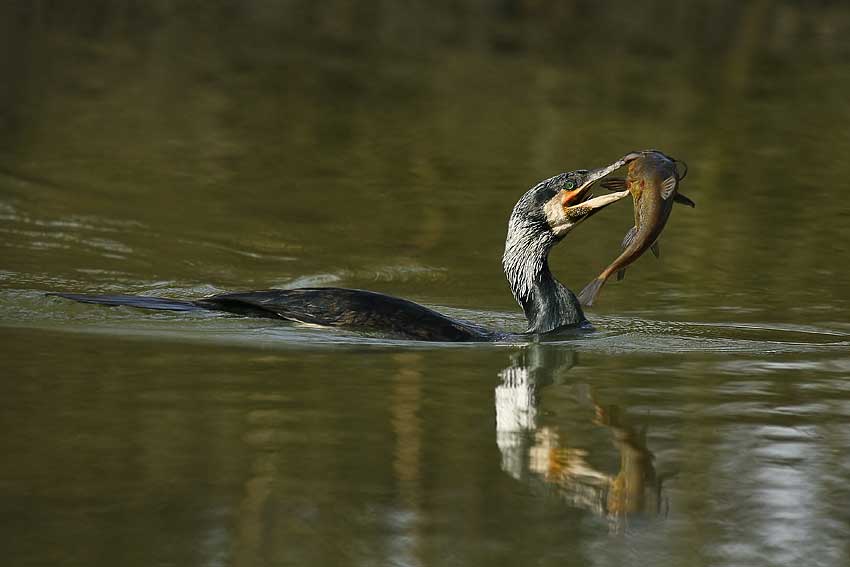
[(540, 219), (365, 311), (653, 183)]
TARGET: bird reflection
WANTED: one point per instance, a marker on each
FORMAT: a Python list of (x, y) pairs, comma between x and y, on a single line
[(536, 449)]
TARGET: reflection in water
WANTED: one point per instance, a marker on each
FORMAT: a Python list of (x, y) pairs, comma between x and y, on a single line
[(534, 450), (406, 401), (316, 504)]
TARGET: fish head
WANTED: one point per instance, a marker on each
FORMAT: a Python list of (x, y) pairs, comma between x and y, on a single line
[(657, 175), (656, 165)]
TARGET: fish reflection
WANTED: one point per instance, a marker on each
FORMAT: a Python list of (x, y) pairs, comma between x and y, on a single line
[(535, 449)]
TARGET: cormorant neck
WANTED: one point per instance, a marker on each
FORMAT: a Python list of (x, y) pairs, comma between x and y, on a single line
[(546, 302)]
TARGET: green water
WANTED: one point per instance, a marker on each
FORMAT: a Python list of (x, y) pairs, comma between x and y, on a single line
[(181, 150)]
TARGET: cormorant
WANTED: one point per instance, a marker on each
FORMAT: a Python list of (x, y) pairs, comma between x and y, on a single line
[(540, 219)]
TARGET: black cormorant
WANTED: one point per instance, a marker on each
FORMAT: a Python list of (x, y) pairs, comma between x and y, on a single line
[(540, 219)]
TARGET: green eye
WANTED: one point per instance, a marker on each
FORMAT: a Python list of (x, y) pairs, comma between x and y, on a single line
[(570, 185)]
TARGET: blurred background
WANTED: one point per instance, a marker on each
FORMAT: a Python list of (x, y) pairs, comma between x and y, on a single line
[(183, 148)]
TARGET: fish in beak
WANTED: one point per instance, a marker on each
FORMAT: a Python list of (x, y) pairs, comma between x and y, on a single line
[(575, 202), (653, 181)]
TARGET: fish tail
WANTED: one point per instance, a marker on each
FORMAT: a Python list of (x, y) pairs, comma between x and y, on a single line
[(142, 302), (590, 291)]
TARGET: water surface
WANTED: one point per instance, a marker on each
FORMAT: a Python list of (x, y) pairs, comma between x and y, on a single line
[(174, 151)]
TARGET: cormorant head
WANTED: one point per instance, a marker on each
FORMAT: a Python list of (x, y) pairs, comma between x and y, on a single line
[(553, 207), (564, 201), (545, 214)]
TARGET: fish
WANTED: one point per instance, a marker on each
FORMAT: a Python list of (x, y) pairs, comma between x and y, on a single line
[(653, 181)]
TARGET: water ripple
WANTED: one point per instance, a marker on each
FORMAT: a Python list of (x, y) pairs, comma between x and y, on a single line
[(31, 308)]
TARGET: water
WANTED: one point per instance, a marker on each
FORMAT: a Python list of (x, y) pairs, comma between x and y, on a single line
[(166, 150)]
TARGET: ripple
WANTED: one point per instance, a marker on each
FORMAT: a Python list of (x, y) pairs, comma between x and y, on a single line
[(634, 334), (91, 223), (64, 236), (613, 334), (750, 367), (390, 273), (242, 251)]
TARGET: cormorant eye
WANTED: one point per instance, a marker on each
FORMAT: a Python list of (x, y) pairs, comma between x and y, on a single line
[(570, 185)]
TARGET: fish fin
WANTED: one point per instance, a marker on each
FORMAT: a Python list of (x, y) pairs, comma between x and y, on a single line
[(614, 184), (668, 186), (629, 238), (590, 291), (656, 249), (682, 200)]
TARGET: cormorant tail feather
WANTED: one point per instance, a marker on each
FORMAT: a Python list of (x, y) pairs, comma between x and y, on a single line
[(142, 302)]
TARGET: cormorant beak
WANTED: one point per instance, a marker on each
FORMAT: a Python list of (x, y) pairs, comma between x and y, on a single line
[(568, 208), (581, 194)]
